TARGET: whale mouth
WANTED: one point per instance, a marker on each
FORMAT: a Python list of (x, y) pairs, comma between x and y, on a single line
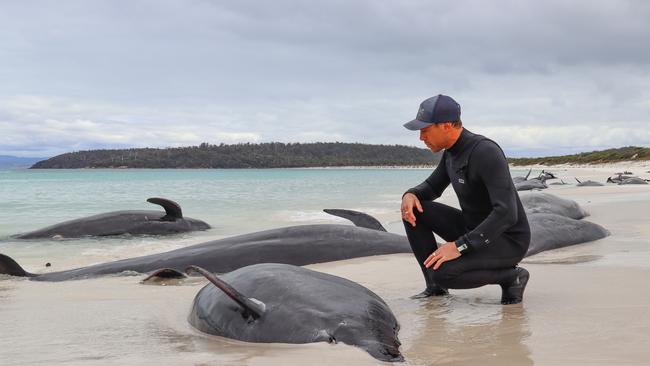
[(164, 277), (385, 329), (385, 352)]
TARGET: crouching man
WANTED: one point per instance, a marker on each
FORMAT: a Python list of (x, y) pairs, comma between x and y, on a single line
[(489, 235)]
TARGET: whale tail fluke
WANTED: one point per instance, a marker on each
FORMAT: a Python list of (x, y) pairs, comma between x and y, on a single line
[(8, 266), (251, 307), (172, 209), (358, 218)]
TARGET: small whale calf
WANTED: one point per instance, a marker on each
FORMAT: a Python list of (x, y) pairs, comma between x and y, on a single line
[(124, 222), (280, 303)]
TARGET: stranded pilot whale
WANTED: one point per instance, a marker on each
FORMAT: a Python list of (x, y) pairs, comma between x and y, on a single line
[(305, 244), (132, 222), (297, 245), (555, 222), (280, 303)]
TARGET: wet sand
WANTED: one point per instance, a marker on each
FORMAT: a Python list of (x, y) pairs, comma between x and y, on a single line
[(585, 305)]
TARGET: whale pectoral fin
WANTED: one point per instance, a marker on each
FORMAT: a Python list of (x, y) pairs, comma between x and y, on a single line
[(172, 209), (163, 276), (252, 308), (9, 266), (578, 180), (528, 175), (359, 219)]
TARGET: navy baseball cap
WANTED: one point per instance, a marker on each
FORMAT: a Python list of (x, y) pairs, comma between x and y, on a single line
[(438, 109)]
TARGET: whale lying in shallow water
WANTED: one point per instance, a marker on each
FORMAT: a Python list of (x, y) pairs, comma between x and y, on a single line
[(555, 222), (280, 303), (297, 245), (308, 244), (131, 222), (553, 231)]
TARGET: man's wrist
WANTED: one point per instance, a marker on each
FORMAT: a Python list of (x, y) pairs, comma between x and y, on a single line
[(411, 192), (461, 245)]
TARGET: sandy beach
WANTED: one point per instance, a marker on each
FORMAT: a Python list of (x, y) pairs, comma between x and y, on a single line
[(585, 305)]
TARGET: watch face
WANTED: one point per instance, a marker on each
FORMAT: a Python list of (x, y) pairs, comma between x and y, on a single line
[(462, 248)]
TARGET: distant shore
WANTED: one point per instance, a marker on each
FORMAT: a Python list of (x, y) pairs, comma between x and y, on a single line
[(621, 165)]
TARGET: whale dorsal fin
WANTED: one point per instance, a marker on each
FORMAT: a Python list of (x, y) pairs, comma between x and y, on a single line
[(252, 307), (358, 218), (9, 266), (172, 209)]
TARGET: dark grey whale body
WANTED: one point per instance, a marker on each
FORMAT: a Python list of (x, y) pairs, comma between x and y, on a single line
[(530, 184), (272, 303), (633, 180), (124, 222), (539, 182), (555, 222), (554, 231), (588, 183), (540, 202), (522, 179)]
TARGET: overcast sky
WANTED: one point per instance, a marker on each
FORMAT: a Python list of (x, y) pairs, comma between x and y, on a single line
[(539, 77)]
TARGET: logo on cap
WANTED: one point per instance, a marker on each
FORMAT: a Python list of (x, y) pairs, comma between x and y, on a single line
[(420, 113)]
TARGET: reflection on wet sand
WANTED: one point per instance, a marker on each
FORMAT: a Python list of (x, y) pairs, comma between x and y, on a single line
[(462, 330)]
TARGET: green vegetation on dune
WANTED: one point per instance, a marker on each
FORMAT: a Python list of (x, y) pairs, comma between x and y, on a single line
[(629, 153), (265, 155)]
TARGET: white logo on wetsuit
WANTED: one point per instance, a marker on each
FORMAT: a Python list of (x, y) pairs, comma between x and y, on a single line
[(461, 180)]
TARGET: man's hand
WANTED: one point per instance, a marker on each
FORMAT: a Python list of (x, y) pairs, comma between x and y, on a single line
[(410, 201), (447, 252)]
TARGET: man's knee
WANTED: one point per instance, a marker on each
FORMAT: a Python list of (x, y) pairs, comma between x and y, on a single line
[(445, 275)]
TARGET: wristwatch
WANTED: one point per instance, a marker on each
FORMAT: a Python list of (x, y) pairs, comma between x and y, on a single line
[(461, 246)]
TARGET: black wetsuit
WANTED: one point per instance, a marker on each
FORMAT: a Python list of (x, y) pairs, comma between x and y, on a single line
[(492, 222)]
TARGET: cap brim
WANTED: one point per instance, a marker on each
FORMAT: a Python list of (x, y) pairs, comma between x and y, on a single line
[(415, 125)]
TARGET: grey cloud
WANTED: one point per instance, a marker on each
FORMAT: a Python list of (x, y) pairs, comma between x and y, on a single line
[(169, 73)]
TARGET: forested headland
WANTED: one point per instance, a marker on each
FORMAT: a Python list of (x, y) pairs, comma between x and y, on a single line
[(628, 153), (263, 155)]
